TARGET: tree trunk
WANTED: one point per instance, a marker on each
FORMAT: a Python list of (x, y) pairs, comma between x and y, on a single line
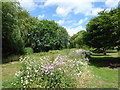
[(119, 53), (104, 51), (118, 50)]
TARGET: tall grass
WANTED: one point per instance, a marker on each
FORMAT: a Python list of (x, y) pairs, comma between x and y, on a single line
[(56, 69)]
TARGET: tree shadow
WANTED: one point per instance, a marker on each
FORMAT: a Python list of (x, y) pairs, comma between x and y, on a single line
[(111, 51), (99, 55), (111, 62)]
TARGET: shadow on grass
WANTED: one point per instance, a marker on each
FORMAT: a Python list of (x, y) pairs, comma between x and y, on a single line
[(10, 59), (99, 55), (111, 51), (111, 62)]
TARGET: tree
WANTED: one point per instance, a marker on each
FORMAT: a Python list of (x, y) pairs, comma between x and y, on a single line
[(24, 24), (48, 35), (115, 16), (11, 34), (72, 40), (102, 31), (77, 39), (16, 25), (63, 37), (20, 30)]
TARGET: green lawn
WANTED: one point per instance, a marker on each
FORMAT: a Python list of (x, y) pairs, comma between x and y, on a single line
[(8, 70), (103, 78), (103, 71)]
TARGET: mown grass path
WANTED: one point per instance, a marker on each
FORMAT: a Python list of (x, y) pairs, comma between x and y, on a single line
[(104, 70)]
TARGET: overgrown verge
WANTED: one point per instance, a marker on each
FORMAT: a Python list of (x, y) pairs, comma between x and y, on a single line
[(64, 71)]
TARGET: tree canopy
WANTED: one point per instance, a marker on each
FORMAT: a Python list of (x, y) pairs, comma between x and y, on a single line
[(102, 31), (77, 40), (11, 34), (48, 35), (20, 30)]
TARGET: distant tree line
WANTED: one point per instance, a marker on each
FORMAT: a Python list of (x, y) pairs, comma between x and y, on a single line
[(77, 40), (20, 30)]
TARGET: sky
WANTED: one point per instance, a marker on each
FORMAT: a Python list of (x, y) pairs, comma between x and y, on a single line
[(71, 14)]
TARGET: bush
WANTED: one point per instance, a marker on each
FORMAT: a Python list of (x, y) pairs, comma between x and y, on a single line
[(68, 46), (28, 50), (10, 58), (85, 47), (54, 51), (77, 46), (83, 54), (42, 53)]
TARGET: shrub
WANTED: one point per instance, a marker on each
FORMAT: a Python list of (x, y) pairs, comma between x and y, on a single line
[(11, 58), (42, 53), (28, 50), (84, 54), (53, 51)]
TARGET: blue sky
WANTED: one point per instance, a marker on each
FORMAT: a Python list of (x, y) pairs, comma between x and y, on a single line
[(71, 14)]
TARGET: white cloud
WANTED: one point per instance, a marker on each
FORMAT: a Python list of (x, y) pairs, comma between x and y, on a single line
[(98, 0), (61, 11), (72, 31), (111, 3), (60, 22), (39, 0), (81, 21), (69, 21), (95, 11), (29, 5), (41, 16), (64, 7)]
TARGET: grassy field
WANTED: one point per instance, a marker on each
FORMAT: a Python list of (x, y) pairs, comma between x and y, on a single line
[(102, 73), (104, 70), (8, 72)]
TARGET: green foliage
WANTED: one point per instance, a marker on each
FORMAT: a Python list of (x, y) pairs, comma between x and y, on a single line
[(102, 31), (54, 51), (77, 40), (20, 30), (77, 46), (11, 34), (10, 58), (28, 50), (48, 35), (68, 46)]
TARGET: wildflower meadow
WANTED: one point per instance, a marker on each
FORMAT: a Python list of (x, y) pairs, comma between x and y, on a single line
[(61, 72)]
